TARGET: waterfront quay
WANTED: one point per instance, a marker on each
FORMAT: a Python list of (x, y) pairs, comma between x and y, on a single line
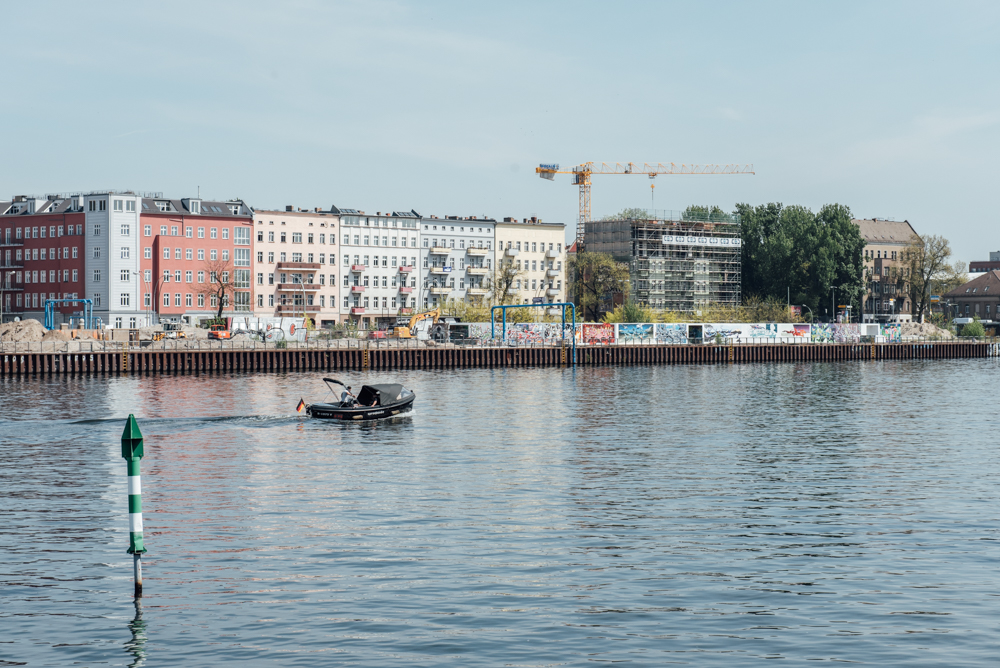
[(367, 356)]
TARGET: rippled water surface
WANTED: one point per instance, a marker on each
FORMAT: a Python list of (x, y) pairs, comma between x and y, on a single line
[(709, 516)]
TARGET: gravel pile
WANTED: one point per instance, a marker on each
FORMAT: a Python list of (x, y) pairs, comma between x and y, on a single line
[(924, 329), (24, 330)]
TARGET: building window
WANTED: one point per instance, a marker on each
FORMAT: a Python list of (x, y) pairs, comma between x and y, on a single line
[(166, 253), (187, 253), (76, 275), (97, 276), (201, 300), (124, 275), (166, 299), (187, 299), (124, 299), (187, 277), (125, 251), (201, 253), (189, 233), (201, 232), (147, 253), (213, 233)]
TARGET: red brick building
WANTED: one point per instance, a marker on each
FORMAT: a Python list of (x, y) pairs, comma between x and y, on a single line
[(188, 247), (41, 255)]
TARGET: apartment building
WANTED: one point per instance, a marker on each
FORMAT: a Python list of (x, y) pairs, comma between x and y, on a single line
[(538, 250), (379, 259), (296, 264), (41, 255), (111, 253), (886, 276), (190, 249), (456, 257)]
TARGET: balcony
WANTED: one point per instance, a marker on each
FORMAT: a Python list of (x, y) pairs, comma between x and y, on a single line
[(298, 265), (358, 268), (357, 289), (476, 271), (405, 289), (357, 310), (552, 273), (299, 287), (292, 309), (552, 292), (477, 251), (439, 250), (477, 291), (511, 252), (551, 254), (440, 270), (404, 269), (14, 264), (11, 242), (440, 291)]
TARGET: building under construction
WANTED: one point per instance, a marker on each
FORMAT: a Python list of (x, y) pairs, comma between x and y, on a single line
[(677, 260)]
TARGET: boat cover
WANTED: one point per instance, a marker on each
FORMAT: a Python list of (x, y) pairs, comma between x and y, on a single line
[(386, 394)]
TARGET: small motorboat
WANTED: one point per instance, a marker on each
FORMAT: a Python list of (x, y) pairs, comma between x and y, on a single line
[(374, 402)]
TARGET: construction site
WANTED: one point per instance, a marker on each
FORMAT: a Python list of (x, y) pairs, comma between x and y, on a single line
[(679, 261)]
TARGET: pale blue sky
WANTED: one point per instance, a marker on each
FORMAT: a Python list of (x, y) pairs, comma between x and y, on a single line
[(890, 108)]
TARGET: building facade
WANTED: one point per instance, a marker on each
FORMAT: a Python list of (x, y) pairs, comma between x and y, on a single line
[(194, 254), (537, 250), (296, 268), (41, 256), (980, 298), (456, 257), (680, 261), (886, 276), (378, 266)]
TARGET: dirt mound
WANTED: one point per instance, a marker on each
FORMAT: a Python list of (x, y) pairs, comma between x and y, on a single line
[(25, 330), (924, 329), (56, 335)]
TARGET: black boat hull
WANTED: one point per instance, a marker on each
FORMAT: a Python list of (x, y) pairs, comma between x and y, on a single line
[(357, 413)]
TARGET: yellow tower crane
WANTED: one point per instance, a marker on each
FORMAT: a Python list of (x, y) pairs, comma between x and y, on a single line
[(582, 177)]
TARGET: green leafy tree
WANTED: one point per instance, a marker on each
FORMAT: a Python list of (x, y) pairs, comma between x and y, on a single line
[(630, 312), (595, 279), (630, 213)]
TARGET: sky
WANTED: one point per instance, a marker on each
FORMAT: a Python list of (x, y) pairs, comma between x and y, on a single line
[(890, 108)]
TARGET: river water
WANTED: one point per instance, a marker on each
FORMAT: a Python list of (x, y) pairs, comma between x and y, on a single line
[(693, 515)]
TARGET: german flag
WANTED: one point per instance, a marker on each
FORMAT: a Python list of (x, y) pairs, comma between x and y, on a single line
[(302, 404)]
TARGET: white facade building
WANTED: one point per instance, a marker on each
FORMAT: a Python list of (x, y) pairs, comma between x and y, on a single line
[(111, 251), (378, 262), (456, 258), (538, 250)]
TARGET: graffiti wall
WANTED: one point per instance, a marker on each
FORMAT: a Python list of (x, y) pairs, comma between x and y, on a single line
[(670, 333), (892, 333), (634, 333), (598, 333)]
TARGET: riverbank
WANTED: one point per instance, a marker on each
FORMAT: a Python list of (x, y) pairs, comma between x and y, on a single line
[(141, 361)]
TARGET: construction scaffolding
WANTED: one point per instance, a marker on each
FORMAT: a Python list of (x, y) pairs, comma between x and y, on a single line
[(678, 260)]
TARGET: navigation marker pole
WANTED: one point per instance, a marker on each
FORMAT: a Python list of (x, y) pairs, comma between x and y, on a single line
[(132, 453)]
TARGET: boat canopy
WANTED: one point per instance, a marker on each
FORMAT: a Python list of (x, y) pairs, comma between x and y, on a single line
[(385, 394)]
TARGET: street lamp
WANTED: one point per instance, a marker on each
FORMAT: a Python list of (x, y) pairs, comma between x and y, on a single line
[(810, 312)]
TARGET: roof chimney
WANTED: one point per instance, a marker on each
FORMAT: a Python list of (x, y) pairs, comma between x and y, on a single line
[(289, 208)]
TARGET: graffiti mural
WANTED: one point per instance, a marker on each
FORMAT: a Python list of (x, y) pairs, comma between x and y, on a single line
[(635, 333), (802, 331), (846, 333), (892, 333), (822, 333), (734, 332), (598, 333), (670, 333)]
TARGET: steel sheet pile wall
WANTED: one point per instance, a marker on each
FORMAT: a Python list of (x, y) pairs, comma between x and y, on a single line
[(192, 361)]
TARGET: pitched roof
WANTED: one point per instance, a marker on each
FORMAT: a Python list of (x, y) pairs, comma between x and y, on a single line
[(986, 284), (877, 231)]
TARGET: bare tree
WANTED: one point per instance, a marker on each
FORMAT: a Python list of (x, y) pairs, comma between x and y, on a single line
[(926, 261), (220, 282), (597, 277), (502, 280)]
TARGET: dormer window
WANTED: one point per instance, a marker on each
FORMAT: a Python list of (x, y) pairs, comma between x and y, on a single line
[(234, 209), (195, 207), (163, 206)]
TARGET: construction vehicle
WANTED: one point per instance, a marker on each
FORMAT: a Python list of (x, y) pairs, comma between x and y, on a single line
[(582, 174), (219, 332), (418, 325)]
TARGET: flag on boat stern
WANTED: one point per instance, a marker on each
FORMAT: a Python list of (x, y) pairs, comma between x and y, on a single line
[(302, 404)]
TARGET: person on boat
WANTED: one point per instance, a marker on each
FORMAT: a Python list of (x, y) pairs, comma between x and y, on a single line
[(346, 398)]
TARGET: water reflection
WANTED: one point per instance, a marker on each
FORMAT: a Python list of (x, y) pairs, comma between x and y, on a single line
[(136, 647)]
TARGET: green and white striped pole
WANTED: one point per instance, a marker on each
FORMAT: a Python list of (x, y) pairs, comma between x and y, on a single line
[(132, 452)]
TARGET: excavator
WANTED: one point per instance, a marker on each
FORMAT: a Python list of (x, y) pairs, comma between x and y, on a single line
[(411, 330)]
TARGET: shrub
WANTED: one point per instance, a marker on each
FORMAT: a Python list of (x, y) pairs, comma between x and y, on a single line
[(974, 328)]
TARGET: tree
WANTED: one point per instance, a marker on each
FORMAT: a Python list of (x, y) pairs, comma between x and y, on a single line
[(595, 278), (790, 253), (951, 277), (630, 213), (926, 261), (974, 328), (220, 282), (704, 213), (501, 281)]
